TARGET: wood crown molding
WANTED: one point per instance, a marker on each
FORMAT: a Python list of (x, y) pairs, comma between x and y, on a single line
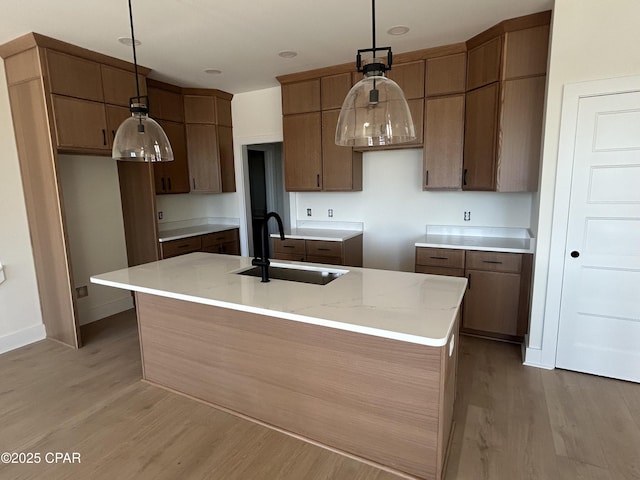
[(510, 25), (398, 59), (33, 39), (213, 92)]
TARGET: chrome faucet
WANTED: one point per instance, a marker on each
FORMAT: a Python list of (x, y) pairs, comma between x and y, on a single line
[(264, 261)]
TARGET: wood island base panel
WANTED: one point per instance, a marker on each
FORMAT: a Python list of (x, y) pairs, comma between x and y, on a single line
[(385, 401)]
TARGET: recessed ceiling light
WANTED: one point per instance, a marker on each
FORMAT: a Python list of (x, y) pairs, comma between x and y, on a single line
[(128, 41), (212, 71), (398, 30), (287, 54)]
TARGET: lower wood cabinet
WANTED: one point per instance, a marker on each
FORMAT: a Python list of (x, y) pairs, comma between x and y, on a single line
[(496, 303), (226, 241), (347, 252)]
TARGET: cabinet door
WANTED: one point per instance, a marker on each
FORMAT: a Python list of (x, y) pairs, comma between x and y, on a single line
[(409, 77), (115, 117), (120, 85), (204, 159), (416, 107), (341, 166), (526, 52), (491, 302), (446, 75), (334, 89), (444, 140), (74, 76), (165, 104), (518, 159), (80, 124), (481, 116), (173, 176), (223, 112), (301, 97), (483, 63), (302, 151), (199, 109), (227, 165)]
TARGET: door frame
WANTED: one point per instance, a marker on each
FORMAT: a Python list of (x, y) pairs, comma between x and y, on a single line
[(572, 94)]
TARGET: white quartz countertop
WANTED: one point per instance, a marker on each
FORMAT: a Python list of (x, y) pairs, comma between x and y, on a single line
[(319, 234), (409, 307), (185, 232), (513, 240)]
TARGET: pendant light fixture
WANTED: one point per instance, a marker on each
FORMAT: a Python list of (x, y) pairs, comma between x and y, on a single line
[(140, 138), (375, 112)]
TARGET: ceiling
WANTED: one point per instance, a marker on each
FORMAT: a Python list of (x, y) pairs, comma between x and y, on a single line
[(242, 38)]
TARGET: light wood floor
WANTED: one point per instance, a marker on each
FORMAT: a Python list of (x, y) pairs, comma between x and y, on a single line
[(512, 422)]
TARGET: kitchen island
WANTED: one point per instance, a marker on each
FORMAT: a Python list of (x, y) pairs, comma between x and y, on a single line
[(364, 365)]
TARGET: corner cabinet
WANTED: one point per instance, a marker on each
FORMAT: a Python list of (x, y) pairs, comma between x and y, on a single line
[(506, 76)]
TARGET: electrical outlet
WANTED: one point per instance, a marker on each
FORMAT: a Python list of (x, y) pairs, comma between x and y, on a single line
[(330, 212), (467, 216), (82, 291), (160, 214), (308, 212)]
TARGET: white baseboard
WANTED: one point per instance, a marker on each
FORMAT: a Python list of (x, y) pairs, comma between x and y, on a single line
[(98, 312), (22, 337)]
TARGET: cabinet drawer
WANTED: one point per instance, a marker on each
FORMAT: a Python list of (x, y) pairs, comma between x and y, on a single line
[(440, 257), (180, 247), (323, 248), (494, 261), (217, 238), (289, 246)]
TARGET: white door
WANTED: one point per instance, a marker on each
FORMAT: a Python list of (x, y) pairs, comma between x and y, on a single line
[(599, 328)]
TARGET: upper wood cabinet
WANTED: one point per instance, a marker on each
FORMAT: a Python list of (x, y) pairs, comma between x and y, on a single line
[(303, 151), (80, 124), (119, 86), (165, 101), (173, 177), (483, 63), (334, 89), (443, 142), (409, 77), (312, 160), (503, 127), (481, 116), (74, 76), (341, 166), (446, 75), (80, 91), (199, 109), (526, 52), (301, 97), (209, 141)]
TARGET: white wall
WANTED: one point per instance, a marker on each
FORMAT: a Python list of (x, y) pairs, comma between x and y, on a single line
[(196, 205), (20, 316), (591, 39), (93, 211), (395, 209)]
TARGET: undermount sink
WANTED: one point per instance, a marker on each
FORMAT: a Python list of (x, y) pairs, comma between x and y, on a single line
[(292, 273)]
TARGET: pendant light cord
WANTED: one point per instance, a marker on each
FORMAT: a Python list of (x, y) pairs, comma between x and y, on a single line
[(135, 59), (373, 26)]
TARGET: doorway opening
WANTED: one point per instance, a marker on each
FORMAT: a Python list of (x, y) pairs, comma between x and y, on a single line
[(264, 191)]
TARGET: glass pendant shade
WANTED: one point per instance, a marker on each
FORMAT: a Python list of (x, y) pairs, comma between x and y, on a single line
[(141, 139), (375, 113)]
